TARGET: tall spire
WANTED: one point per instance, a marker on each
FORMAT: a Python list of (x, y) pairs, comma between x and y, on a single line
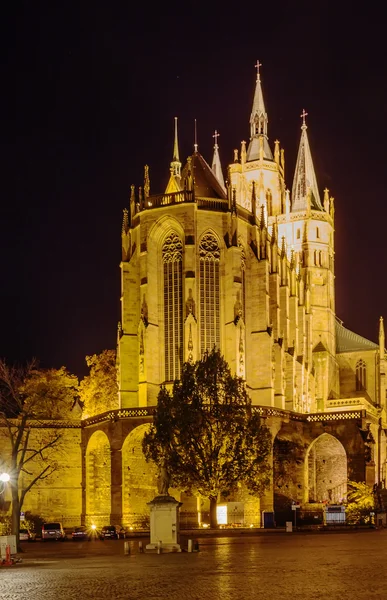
[(216, 166), (258, 122), (176, 164), (304, 176), (175, 168), (381, 338)]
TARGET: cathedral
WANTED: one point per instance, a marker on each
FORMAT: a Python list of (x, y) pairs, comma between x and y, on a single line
[(245, 264), (235, 259)]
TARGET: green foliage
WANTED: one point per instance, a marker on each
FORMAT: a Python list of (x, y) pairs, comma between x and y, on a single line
[(49, 393), (99, 390), (28, 397), (360, 502), (287, 457), (206, 433)]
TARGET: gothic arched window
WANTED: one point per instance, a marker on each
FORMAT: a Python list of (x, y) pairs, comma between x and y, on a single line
[(209, 257), (172, 254), (360, 375)]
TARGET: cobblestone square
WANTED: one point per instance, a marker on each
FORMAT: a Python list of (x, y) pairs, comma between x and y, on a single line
[(272, 566)]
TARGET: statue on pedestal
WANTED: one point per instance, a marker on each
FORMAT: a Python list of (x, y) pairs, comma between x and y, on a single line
[(163, 479)]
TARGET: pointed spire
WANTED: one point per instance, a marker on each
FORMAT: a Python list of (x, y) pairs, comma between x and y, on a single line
[(146, 182), (175, 168), (176, 164), (283, 247), (254, 202), (381, 338), (125, 221), (132, 202), (216, 166), (196, 138), (304, 176), (258, 122)]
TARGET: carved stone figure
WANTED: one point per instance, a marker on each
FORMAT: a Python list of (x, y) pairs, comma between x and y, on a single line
[(190, 304), (163, 479)]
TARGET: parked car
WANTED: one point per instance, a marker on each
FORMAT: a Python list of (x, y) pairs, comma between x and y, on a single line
[(25, 535), (109, 532), (82, 533), (53, 531)]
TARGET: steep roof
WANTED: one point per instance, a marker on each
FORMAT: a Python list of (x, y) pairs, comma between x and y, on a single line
[(304, 176), (206, 184), (348, 341), (258, 124)]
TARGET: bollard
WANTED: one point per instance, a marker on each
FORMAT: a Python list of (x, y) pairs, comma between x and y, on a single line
[(189, 545), (159, 547), (196, 546), (126, 548), (8, 560), (140, 548)]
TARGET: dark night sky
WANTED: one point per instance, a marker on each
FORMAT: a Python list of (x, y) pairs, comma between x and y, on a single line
[(88, 96)]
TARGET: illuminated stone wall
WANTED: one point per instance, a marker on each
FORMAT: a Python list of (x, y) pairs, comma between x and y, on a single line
[(59, 496)]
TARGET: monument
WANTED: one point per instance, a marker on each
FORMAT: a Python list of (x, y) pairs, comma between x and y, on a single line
[(164, 517)]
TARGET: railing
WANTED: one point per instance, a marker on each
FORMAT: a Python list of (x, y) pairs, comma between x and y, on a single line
[(212, 204), (264, 411), (158, 201), (120, 413), (168, 199)]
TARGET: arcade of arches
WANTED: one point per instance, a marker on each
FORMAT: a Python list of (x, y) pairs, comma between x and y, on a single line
[(310, 466)]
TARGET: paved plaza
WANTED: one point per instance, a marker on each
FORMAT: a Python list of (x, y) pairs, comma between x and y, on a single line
[(268, 566)]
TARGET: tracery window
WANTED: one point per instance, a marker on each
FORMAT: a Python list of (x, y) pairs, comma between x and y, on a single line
[(209, 258), (360, 375), (172, 253)]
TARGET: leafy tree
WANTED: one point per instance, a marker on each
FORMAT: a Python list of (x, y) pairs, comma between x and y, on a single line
[(31, 399), (207, 435), (99, 390), (360, 502)]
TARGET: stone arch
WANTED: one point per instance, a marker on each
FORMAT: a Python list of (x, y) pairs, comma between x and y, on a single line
[(98, 479), (161, 228), (139, 484), (326, 471)]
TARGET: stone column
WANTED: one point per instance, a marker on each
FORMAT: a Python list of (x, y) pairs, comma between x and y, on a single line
[(116, 487)]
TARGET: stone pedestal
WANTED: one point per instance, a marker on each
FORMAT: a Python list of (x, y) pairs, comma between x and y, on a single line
[(164, 524)]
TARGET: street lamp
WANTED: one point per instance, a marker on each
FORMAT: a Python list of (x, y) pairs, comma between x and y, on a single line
[(4, 478)]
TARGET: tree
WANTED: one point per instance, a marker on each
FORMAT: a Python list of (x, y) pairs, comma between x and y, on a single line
[(361, 502), (31, 401), (99, 390), (207, 434)]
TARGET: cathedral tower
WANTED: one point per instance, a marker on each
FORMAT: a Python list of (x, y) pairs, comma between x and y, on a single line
[(246, 267)]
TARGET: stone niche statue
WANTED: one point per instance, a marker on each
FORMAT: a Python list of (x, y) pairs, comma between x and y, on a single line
[(163, 480)]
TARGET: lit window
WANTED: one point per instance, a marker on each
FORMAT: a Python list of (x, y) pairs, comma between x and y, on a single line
[(209, 255), (173, 306), (360, 375)]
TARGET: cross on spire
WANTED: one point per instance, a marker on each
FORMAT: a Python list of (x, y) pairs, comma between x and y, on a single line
[(303, 115), (216, 135), (257, 67)]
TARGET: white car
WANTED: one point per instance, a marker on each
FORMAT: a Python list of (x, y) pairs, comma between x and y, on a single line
[(25, 535)]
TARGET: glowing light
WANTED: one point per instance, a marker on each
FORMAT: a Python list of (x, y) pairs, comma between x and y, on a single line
[(221, 514), (4, 477), (94, 526), (205, 525)]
